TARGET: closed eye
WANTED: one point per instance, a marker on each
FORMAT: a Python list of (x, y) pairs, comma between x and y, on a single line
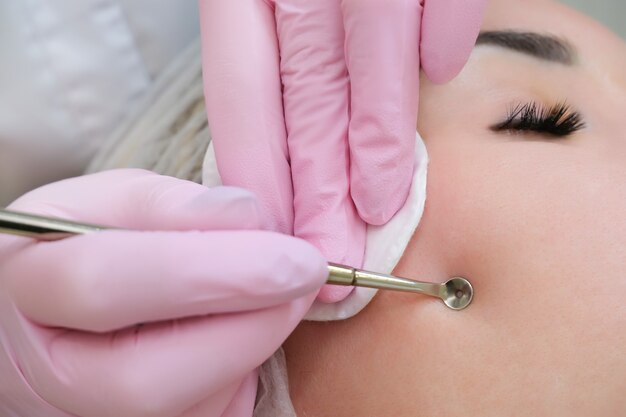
[(557, 121)]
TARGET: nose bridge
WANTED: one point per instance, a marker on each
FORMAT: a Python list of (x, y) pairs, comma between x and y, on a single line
[(617, 171), (615, 86), (608, 71), (620, 94)]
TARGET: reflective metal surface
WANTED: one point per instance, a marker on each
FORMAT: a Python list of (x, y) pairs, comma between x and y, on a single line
[(456, 293), (40, 227)]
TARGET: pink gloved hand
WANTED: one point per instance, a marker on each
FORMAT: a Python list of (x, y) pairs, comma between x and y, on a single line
[(331, 147), (214, 294)]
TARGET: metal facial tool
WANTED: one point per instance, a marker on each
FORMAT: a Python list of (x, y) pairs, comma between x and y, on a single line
[(456, 293)]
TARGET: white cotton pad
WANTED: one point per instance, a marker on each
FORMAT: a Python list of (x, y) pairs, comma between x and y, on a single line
[(385, 244)]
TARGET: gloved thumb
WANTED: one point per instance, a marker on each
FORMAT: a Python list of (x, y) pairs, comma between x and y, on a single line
[(142, 200)]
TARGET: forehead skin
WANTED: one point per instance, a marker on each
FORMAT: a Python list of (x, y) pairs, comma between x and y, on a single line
[(603, 51), (537, 225), (602, 54)]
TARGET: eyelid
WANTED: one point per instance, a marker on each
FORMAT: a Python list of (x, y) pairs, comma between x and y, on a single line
[(558, 120)]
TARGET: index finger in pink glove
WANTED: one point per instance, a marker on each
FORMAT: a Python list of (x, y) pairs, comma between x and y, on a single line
[(316, 96), (117, 279), (384, 42), (382, 54), (240, 65)]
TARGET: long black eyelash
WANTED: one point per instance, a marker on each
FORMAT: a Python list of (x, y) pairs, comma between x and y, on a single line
[(558, 120)]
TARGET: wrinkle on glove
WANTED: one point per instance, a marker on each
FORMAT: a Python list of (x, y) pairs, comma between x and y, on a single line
[(385, 246)]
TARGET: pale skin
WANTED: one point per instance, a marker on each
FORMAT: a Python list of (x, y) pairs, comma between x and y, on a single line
[(538, 224)]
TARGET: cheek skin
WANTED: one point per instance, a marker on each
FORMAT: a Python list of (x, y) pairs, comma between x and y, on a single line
[(545, 334), (538, 232)]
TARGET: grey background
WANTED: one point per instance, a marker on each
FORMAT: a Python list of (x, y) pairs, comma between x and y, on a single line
[(610, 12)]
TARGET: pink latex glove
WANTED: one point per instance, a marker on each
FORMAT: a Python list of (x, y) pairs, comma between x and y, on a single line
[(217, 295), (339, 130)]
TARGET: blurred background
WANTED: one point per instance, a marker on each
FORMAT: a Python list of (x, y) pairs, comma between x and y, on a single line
[(610, 12)]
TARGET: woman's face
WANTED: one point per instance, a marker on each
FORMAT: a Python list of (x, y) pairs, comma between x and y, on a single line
[(536, 221)]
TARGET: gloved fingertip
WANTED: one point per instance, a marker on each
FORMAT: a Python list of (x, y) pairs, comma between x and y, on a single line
[(237, 202), (443, 68), (449, 32), (441, 73), (296, 266), (378, 207), (333, 293), (381, 213)]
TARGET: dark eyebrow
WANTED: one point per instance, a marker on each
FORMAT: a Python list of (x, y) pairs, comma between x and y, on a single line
[(546, 47)]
